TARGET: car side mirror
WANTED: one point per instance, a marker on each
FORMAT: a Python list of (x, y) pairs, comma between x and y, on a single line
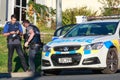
[(56, 37)]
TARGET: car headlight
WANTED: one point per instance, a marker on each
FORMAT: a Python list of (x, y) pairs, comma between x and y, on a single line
[(46, 48), (94, 46)]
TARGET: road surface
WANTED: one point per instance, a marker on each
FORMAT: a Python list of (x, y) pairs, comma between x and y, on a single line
[(70, 75)]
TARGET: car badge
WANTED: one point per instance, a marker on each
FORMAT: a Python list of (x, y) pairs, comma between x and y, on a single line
[(66, 49)]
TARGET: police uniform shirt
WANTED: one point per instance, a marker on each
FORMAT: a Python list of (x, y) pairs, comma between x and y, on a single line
[(12, 27), (36, 38), (28, 29)]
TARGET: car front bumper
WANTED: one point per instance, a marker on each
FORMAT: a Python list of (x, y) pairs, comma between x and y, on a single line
[(95, 59)]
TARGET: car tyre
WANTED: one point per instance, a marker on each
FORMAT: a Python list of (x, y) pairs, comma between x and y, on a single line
[(111, 62)]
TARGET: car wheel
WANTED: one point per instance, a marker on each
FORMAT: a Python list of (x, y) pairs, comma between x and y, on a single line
[(51, 72), (111, 61)]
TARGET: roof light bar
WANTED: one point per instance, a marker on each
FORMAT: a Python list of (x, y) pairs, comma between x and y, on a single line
[(103, 17)]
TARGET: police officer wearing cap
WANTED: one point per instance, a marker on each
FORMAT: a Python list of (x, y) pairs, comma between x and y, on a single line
[(34, 42), (13, 31)]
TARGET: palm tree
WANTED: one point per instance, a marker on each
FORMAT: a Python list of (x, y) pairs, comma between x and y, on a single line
[(40, 10)]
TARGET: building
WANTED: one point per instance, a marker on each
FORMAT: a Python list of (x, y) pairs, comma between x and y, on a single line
[(3, 11), (9, 7), (18, 7)]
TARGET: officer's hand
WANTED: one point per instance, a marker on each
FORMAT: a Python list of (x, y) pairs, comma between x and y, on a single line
[(12, 32), (26, 44), (17, 31)]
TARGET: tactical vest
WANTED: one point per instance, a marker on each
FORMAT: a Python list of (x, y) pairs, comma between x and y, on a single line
[(13, 27), (36, 39)]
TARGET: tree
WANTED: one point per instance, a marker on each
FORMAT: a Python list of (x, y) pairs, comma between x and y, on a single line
[(41, 11), (44, 14), (70, 14), (110, 7), (110, 3)]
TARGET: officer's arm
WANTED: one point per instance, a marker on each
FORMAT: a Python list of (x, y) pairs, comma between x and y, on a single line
[(31, 35), (5, 30), (6, 34), (20, 30)]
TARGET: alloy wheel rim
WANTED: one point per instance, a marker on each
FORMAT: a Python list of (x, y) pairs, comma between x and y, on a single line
[(112, 61)]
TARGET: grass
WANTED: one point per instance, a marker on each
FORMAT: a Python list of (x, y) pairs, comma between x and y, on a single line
[(4, 56), (47, 34), (17, 67), (16, 61), (45, 29)]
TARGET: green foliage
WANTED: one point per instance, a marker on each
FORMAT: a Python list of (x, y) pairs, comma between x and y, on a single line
[(69, 14), (1, 29), (52, 11), (44, 29), (110, 7), (110, 11), (110, 3), (44, 14), (40, 10)]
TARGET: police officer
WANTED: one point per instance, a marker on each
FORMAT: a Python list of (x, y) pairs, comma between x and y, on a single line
[(34, 42), (13, 31)]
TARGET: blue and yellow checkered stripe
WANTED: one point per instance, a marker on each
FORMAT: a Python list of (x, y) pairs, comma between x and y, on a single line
[(107, 44), (81, 51)]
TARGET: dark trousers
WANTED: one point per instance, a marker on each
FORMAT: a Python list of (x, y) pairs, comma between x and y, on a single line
[(32, 52), (18, 48)]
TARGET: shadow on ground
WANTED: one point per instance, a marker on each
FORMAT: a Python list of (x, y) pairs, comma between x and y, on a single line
[(18, 65), (37, 76), (5, 75)]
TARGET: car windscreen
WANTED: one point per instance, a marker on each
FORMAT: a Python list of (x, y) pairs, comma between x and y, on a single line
[(64, 29), (93, 29)]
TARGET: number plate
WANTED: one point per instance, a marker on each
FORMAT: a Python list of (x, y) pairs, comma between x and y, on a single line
[(65, 60)]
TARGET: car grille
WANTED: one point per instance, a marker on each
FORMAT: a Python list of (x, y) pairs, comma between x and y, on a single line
[(66, 48), (75, 59)]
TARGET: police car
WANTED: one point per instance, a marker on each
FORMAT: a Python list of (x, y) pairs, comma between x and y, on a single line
[(91, 45)]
